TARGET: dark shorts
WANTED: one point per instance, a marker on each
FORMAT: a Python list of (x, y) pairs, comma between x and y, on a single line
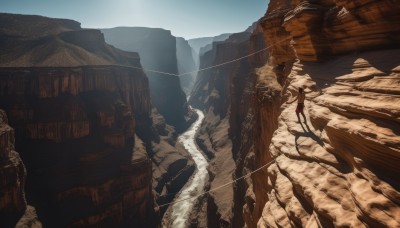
[(300, 107)]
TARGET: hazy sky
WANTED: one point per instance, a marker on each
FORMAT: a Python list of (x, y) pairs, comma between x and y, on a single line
[(187, 18)]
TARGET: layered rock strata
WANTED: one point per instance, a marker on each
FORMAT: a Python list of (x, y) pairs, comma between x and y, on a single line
[(320, 29), (85, 127), (225, 96), (339, 167), (76, 135), (13, 205), (336, 168)]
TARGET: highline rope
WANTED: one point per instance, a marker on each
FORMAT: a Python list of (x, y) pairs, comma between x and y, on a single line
[(213, 66)]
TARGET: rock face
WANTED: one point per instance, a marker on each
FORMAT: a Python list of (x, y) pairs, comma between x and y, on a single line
[(198, 43), (84, 126), (13, 206), (158, 52), (186, 64), (338, 167), (321, 29), (223, 94), (76, 135)]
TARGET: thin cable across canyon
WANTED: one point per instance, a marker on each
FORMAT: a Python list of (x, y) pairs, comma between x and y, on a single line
[(213, 66)]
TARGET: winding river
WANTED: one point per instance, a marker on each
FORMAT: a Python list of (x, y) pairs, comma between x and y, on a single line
[(179, 212)]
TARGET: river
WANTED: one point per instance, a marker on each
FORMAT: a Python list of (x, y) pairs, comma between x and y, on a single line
[(178, 213)]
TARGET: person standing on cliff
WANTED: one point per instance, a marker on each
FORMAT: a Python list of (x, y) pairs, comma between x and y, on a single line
[(301, 96)]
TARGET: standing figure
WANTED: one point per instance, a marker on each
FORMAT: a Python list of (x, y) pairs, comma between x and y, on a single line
[(301, 96)]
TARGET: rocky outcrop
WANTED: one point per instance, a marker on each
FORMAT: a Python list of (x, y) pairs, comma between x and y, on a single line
[(85, 129), (76, 134), (225, 96), (172, 165), (13, 205), (321, 29), (339, 166), (336, 168), (158, 52), (326, 170)]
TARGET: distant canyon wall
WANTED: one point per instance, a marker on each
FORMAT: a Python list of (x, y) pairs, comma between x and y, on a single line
[(186, 64), (225, 95), (158, 52)]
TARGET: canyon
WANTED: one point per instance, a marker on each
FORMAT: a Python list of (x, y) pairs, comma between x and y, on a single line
[(97, 153), (161, 52), (89, 138), (338, 167)]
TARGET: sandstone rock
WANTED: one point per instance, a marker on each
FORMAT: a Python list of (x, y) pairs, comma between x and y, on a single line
[(76, 126), (317, 30), (29, 219), (225, 96), (337, 168), (13, 205)]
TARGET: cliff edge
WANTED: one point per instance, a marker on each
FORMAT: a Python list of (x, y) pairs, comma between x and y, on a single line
[(338, 167)]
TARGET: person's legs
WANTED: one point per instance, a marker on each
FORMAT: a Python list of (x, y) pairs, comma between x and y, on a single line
[(298, 117), (304, 116), (299, 109)]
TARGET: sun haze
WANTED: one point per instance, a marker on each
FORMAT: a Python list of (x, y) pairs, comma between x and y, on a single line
[(186, 18)]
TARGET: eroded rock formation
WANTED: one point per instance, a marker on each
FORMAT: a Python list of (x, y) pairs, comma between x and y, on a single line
[(85, 127), (158, 51), (13, 206), (225, 95), (76, 135), (337, 168)]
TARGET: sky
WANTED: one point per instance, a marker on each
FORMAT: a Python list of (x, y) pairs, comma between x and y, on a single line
[(185, 18)]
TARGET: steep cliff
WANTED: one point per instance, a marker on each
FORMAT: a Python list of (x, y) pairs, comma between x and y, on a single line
[(84, 126), (186, 64), (337, 167), (13, 206), (158, 52), (224, 94)]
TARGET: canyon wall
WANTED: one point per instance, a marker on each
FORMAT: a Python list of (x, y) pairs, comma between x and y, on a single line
[(225, 95), (158, 51), (13, 205), (75, 131), (96, 152), (186, 64), (337, 167)]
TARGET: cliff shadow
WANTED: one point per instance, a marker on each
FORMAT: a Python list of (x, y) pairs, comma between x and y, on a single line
[(326, 73)]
